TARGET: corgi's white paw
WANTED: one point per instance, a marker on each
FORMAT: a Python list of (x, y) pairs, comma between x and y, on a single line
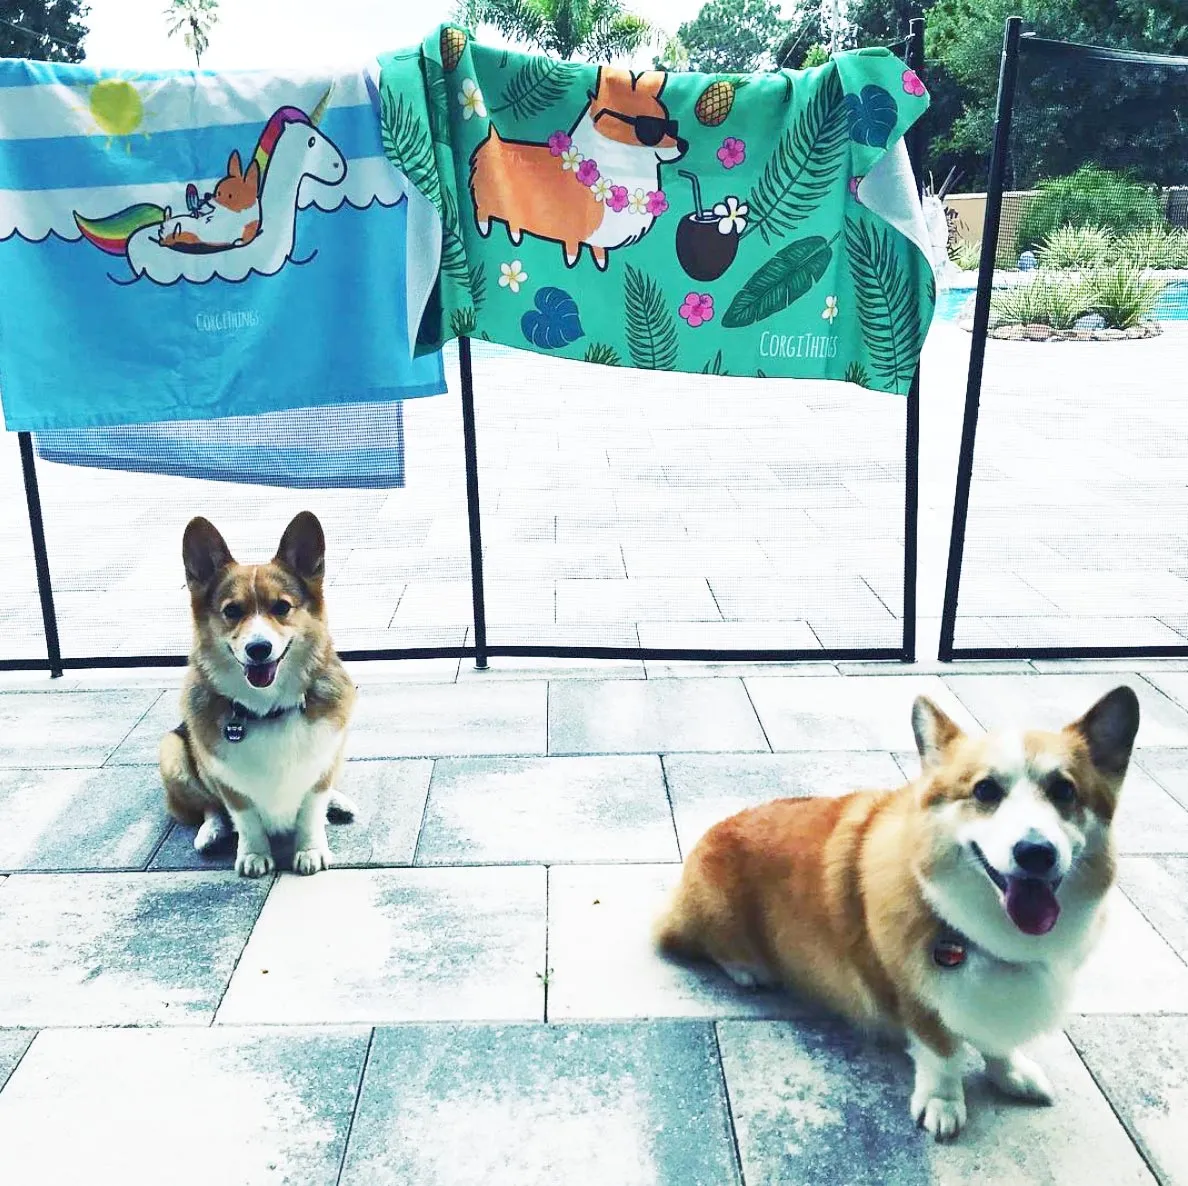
[(311, 860), (215, 829), (254, 864), (1021, 1078), (940, 1116), (515, 236), (340, 808), (484, 227)]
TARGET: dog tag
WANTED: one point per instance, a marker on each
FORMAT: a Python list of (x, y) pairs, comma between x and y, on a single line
[(233, 730), (948, 954)]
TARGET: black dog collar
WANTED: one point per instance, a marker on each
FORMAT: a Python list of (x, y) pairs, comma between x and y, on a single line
[(236, 727)]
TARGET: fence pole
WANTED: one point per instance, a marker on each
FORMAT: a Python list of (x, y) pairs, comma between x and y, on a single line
[(472, 506), (1008, 76), (911, 461), (45, 589)]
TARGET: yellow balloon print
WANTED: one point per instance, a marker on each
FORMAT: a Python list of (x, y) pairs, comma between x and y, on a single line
[(116, 107)]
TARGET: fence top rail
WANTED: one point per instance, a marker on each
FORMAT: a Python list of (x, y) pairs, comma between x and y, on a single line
[(1046, 47)]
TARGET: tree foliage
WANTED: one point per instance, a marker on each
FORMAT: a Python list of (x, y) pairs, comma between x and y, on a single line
[(599, 30), (194, 20), (734, 36), (46, 31)]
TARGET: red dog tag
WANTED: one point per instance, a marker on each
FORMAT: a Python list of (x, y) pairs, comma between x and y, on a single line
[(947, 953)]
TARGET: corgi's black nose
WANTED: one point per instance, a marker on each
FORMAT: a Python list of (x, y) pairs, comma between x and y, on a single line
[(258, 652), (1036, 858)]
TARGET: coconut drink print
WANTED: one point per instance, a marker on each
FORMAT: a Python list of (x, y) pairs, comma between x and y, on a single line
[(743, 225)]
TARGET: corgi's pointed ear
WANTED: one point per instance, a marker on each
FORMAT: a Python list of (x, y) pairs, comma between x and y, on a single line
[(599, 83), (303, 547), (1109, 729), (934, 731), (651, 82), (252, 176), (234, 166), (204, 553)]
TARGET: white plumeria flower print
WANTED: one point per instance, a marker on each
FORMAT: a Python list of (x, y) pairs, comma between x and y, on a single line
[(830, 309), (638, 202), (471, 99), (601, 189), (571, 158), (512, 275), (732, 216)]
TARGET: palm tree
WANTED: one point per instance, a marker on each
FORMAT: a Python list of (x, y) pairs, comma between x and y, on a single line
[(595, 29), (194, 19)]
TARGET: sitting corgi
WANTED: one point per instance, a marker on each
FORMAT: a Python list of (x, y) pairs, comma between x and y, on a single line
[(229, 217), (265, 703), (597, 184), (956, 909)]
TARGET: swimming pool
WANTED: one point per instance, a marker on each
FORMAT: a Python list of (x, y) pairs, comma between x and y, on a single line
[(1172, 306)]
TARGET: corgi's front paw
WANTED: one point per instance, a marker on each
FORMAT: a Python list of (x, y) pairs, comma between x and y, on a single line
[(311, 860), (254, 864), (943, 1117), (1020, 1078)]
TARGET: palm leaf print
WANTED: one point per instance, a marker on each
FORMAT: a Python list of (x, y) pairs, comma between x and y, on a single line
[(408, 146), (651, 331), (453, 250), (804, 166), (536, 86), (888, 310)]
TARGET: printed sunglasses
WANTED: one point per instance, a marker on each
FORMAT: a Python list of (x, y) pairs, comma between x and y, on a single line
[(650, 129)]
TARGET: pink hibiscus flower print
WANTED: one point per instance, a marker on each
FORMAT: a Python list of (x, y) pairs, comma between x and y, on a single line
[(559, 142), (697, 309), (618, 198), (854, 183), (587, 172), (733, 152), (912, 84), (657, 203)]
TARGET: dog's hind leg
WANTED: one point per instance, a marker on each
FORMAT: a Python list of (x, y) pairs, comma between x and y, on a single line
[(186, 798), (1019, 1077), (216, 827), (340, 808)]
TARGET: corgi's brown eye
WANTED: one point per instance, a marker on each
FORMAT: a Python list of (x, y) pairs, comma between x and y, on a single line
[(1061, 790), (987, 791), (232, 612), (280, 608)]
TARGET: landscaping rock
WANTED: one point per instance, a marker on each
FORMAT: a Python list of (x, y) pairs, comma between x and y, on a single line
[(1011, 333), (1037, 333), (1110, 335), (1090, 321), (1028, 262)]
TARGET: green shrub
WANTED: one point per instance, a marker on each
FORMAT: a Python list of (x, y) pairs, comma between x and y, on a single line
[(1152, 247), (966, 256), (1089, 197), (1074, 247), (1123, 297), (1044, 301)]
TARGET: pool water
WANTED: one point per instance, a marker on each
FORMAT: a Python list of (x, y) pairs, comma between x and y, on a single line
[(1172, 306)]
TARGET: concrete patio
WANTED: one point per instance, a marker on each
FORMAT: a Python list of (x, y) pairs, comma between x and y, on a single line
[(470, 996)]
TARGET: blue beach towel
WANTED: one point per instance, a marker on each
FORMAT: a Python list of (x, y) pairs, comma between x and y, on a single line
[(179, 247)]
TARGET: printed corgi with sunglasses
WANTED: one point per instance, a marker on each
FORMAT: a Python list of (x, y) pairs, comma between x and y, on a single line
[(596, 185)]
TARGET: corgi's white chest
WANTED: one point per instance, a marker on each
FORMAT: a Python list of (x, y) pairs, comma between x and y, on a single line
[(632, 166), (998, 1006), (277, 764)]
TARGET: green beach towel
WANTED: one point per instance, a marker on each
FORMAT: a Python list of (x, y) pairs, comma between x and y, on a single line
[(751, 225)]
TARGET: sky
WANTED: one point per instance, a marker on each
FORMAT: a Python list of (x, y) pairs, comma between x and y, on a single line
[(259, 33)]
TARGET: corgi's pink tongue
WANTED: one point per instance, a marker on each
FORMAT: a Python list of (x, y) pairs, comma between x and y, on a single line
[(1031, 904), (260, 675)]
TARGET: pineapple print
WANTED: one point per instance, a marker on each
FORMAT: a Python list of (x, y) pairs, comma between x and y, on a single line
[(715, 103), (453, 42)]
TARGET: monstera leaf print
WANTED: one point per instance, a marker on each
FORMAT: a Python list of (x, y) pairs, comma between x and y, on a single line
[(784, 279), (872, 116), (554, 322)]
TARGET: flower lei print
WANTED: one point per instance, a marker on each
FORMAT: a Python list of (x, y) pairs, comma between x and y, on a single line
[(616, 198)]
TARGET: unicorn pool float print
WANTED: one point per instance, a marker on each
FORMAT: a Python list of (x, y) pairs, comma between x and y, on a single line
[(247, 223)]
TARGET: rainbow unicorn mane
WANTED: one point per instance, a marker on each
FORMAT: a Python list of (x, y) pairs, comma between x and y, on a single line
[(278, 121)]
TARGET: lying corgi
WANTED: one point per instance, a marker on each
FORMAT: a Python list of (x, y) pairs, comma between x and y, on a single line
[(956, 909), (265, 703), (596, 185), (228, 217)]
